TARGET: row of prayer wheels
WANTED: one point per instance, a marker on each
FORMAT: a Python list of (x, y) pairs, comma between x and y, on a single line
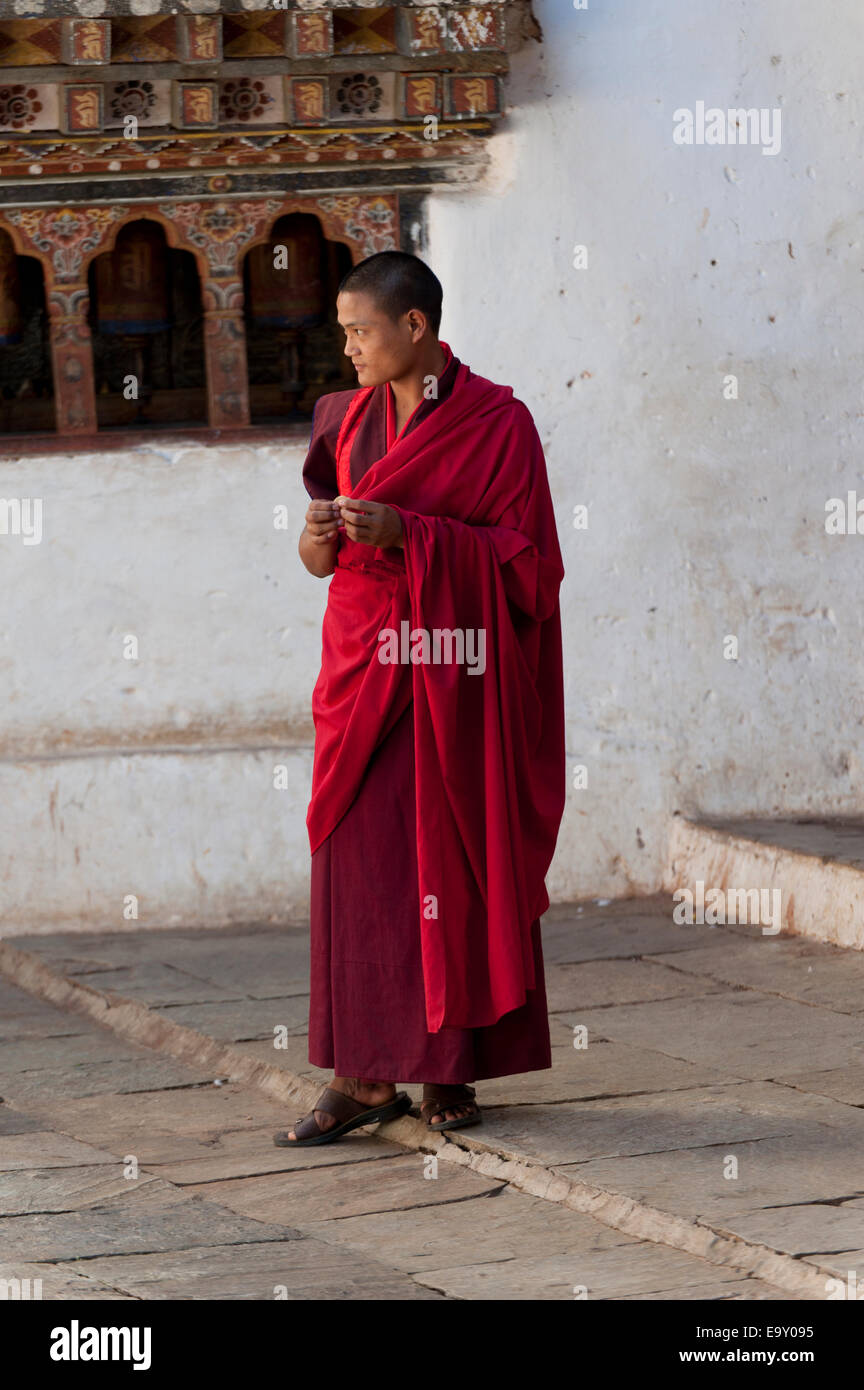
[(286, 281)]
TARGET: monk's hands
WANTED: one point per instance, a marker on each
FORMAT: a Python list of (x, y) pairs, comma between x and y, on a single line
[(322, 521), (370, 523)]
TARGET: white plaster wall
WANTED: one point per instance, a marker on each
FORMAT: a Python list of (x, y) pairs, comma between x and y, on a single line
[(178, 547), (706, 515), (159, 778), (155, 777)]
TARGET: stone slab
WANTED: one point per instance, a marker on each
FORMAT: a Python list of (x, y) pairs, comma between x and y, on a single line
[(810, 1164), (151, 1218), (261, 969), (59, 1282), (746, 1290), (22, 1015), (47, 1149), (266, 963), (842, 1266), (593, 984), (147, 1073), (642, 1270), (65, 1189), (801, 1109), (608, 910), (94, 1045), (170, 943), (47, 1023), (306, 1269), (604, 934), (794, 967), (72, 964), (244, 1020), (324, 1194), (811, 1230), (600, 1069), (14, 1121), (152, 982), (749, 1034), (506, 1225), (294, 1057), (573, 1133), (845, 1084), (189, 1159), (841, 841), (125, 1119)]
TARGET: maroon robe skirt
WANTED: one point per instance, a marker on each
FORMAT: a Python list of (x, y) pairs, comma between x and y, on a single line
[(367, 1013)]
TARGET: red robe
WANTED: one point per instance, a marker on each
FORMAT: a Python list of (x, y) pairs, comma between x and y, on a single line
[(468, 478)]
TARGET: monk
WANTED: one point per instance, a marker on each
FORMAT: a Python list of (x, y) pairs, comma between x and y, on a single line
[(439, 770)]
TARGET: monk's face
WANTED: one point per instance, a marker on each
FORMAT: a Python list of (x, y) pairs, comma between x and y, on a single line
[(380, 348)]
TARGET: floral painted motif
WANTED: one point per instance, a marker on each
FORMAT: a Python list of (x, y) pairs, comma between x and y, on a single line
[(65, 235), (369, 221), (359, 95), (243, 99), (221, 229), (18, 105), (132, 98)]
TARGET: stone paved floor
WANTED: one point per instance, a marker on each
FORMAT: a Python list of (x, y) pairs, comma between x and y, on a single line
[(124, 1175), (722, 1084)]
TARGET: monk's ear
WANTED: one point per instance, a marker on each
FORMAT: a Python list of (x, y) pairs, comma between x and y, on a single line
[(418, 324)]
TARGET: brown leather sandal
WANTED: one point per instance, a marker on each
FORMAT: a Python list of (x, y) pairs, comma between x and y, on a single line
[(438, 1099), (352, 1114)]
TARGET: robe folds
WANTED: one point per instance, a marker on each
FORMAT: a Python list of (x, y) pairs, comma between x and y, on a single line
[(481, 555)]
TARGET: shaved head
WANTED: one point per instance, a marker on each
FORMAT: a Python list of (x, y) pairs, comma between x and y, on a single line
[(397, 282)]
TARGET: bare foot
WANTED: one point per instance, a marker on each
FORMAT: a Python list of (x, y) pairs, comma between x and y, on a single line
[(367, 1092), (456, 1110), (460, 1112)]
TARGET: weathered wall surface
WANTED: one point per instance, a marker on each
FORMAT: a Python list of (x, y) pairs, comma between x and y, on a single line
[(706, 515), (182, 776)]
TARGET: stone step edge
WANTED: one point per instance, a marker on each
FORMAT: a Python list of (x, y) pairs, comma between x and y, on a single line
[(821, 899), (138, 1023)]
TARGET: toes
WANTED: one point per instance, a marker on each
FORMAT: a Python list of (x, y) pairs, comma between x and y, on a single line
[(453, 1112)]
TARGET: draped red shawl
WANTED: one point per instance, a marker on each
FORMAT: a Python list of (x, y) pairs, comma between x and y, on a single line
[(481, 552)]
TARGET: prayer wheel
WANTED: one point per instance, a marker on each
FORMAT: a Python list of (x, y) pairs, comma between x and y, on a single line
[(11, 318), (132, 283), (286, 287)]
